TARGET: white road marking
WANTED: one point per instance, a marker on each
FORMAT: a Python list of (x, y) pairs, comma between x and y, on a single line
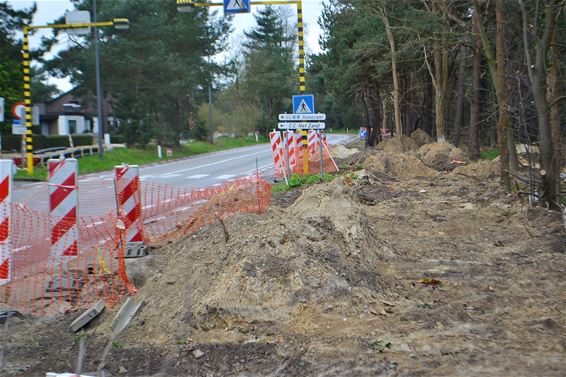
[(225, 176), (198, 176), (149, 206), (215, 163), (170, 175)]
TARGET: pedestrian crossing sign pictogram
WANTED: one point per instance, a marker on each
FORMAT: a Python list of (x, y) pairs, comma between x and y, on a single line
[(237, 6), (303, 104)]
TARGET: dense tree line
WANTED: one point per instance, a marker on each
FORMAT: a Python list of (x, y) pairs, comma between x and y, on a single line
[(472, 72)]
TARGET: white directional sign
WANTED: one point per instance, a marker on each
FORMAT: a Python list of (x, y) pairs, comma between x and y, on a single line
[(301, 117), (301, 126)]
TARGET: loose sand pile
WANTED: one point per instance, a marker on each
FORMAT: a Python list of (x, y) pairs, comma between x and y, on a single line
[(400, 166), (440, 156), (397, 145), (341, 152), (479, 169), (421, 138)]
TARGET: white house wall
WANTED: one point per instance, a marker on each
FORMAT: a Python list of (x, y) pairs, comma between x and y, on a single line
[(63, 124)]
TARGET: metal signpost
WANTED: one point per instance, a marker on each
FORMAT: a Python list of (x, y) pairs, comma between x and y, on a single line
[(118, 23), (238, 6), (304, 118)]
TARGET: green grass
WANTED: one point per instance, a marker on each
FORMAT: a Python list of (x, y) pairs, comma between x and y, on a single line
[(489, 154), (141, 156), (300, 180)]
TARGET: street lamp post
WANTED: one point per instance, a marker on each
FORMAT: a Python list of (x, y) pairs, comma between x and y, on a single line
[(189, 5), (118, 23)]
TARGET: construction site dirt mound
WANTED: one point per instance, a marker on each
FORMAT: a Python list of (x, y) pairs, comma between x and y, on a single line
[(397, 144), (397, 166), (441, 156), (435, 276), (421, 137), (341, 152), (479, 169)]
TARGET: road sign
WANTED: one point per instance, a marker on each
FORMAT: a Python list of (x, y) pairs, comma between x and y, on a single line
[(301, 125), (237, 6), (301, 117), (303, 104), (2, 109), (18, 127), (19, 110), (363, 133), (78, 17)]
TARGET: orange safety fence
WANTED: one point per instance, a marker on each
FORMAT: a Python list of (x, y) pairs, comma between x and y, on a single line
[(170, 212), (328, 163), (44, 282)]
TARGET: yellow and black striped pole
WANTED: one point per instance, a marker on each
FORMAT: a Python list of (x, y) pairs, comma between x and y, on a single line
[(187, 5), (27, 100), (302, 86)]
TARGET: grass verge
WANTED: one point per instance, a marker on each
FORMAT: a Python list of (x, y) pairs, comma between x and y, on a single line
[(141, 156), (301, 180), (489, 154)]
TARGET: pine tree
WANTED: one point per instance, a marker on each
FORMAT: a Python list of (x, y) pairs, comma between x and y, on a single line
[(269, 69)]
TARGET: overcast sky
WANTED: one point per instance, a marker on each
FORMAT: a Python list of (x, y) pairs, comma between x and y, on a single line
[(49, 10)]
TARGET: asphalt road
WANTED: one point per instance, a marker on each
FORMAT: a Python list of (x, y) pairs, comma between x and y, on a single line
[(196, 172)]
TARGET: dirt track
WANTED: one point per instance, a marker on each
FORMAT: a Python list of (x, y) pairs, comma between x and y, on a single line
[(374, 276)]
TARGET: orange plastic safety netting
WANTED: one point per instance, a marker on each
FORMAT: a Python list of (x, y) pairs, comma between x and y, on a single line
[(59, 265), (314, 158), (170, 212)]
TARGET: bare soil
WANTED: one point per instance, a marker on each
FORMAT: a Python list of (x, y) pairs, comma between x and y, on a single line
[(385, 275)]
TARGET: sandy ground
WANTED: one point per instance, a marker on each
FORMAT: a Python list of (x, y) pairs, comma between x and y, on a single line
[(397, 270)]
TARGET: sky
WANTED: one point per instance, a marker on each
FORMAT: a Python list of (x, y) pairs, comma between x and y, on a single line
[(50, 10)]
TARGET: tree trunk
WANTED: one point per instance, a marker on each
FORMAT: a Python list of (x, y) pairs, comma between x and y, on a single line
[(366, 119), (538, 77), (459, 117), (440, 81), (375, 117), (473, 139), (503, 121), (554, 116), (391, 40)]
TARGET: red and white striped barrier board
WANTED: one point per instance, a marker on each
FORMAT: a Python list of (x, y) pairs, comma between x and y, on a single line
[(292, 149), (6, 169), (278, 157), (129, 201), (312, 142), (63, 203)]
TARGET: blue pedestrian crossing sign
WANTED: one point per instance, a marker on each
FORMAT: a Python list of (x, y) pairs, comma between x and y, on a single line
[(303, 104), (237, 6)]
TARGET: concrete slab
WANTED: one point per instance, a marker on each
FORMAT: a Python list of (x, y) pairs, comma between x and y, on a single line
[(127, 311), (87, 316)]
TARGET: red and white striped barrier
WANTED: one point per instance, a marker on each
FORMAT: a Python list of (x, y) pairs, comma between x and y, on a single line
[(291, 146), (277, 151), (63, 203), (313, 141), (129, 201), (6, 170)]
